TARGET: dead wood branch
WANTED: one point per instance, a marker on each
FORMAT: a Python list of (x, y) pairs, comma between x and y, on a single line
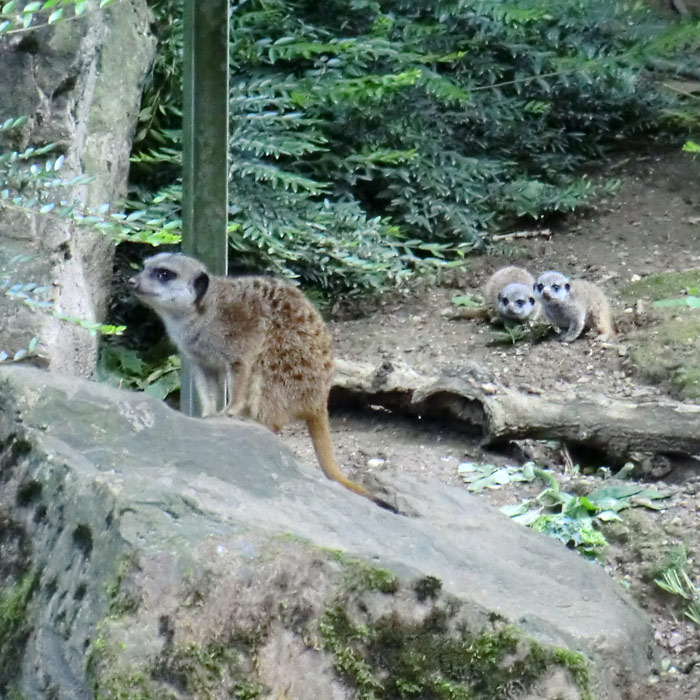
[(473, 397), (536, 233)]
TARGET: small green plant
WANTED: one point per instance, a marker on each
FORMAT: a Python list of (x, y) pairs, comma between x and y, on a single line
[(125, 368), (570, 519), (15, 624), (521, 333), (675, 580), (558, 514)]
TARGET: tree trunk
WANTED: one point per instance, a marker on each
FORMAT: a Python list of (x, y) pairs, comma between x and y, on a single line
[(484, 406)]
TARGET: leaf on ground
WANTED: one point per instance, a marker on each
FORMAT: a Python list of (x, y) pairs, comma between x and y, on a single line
[(482, 476), (607, 516), (621, 496), (164, 386), (691, 301), (578, 532), (516, 509), (466, 300)]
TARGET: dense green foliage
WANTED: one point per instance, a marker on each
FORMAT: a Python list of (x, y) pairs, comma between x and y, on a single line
[(370, 138), (18, 16), (366, 135)]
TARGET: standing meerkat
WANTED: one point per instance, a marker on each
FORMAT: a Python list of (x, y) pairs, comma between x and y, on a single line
[(573, 306), (258, 335), (508, 297)]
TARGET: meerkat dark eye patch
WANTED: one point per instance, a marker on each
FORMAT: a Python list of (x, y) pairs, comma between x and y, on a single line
[(163, 274), (532, 300), (201, 284), (539, 287), (567, 286), (504, 301)]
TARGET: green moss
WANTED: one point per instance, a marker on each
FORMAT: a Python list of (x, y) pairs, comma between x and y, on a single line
[(359, 575), (427, 587), (134, 686), (111, 682), (666, 285), (380, 653), (15, 624), (198, 671), (121, 600), (669, 352), (687, 379), (391, 658), (577, 665), (15, 694), (209, 671)]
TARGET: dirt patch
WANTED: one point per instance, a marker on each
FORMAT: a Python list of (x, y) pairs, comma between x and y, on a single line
[(650, 225)]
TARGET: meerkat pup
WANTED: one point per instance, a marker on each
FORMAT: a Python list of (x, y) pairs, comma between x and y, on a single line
[(573, 306), (258, 335), (508, 297)]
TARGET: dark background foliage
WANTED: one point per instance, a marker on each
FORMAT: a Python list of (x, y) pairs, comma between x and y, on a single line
[(369, 139)]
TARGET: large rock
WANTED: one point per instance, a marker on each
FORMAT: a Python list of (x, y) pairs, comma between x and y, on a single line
[(79, 83), (150, 555)]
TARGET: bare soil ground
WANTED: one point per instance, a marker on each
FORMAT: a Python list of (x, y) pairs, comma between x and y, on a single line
[(649, 225)]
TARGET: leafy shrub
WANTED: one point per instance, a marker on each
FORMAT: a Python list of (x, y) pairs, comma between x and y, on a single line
[(367, 137)]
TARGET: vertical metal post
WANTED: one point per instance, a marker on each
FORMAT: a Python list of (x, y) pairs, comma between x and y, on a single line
[(205, 148)]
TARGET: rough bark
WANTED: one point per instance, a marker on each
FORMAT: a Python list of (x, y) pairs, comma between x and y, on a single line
[(483, 405)]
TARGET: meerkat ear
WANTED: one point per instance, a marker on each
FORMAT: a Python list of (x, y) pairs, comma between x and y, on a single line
[(201, 284)]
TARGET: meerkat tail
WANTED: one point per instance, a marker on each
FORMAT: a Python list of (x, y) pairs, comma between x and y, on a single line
[(320, 432)]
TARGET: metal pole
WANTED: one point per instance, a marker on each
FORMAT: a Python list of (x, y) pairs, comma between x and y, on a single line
[(205, 148)]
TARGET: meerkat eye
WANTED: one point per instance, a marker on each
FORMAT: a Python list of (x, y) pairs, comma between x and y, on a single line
[(162, 274)]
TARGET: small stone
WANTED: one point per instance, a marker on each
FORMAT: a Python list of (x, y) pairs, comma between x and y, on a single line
[(676, 640)]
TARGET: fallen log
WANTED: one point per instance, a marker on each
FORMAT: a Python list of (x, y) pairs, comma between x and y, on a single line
[(475, 399)]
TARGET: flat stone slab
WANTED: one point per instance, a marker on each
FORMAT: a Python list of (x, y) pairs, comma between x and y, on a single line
[(136, 475)]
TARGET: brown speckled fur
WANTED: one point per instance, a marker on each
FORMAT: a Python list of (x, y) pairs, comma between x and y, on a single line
[(260, 335)]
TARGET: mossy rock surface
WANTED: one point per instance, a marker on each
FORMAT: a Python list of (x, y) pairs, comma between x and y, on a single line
[(173, 557), (355, 630), (667, 351), (664, 285)]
